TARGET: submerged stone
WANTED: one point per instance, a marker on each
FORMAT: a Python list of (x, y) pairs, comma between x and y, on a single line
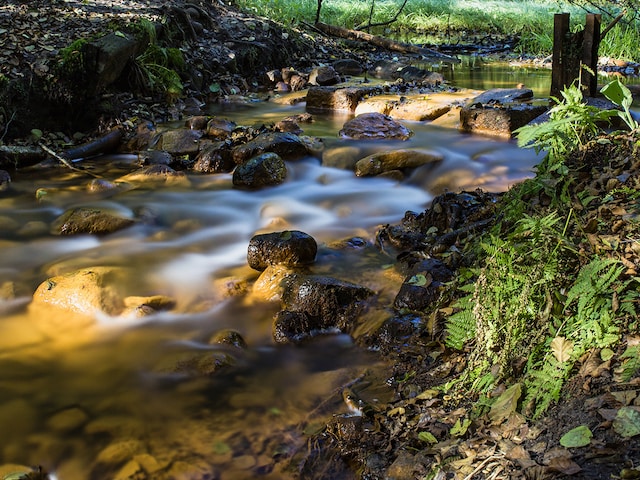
[(90, 220), (286, 145), (374, 126)]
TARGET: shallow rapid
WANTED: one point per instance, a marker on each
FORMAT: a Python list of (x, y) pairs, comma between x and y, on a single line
[(89, 401)]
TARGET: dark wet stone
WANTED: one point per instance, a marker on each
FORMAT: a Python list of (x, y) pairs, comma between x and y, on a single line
[(316, 305), (347, 66), (154, 157), (422, 287), (502, 96), (287, 145), (324, 76), (374, 126), (90, 220), (229, 337), (181, 141), (198, 122), (101, 185), (290, 248), (220, 128), (263, 170), (214, 157), (5, 180)]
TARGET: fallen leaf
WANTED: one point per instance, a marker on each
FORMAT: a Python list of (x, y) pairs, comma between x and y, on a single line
[(561, 348), (576, 437), (505, 404), (627, 422)]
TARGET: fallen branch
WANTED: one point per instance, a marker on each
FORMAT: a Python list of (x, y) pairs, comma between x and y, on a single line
[(99, 146), (612, 24), (426, 53), (20, 156)]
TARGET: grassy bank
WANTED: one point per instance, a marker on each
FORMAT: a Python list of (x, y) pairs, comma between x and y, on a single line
[(449, 21)]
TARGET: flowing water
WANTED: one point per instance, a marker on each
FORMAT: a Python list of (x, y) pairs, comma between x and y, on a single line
[(90, 399)]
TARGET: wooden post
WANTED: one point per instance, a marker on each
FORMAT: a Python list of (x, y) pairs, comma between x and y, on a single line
[(559, 60), (590, 46)]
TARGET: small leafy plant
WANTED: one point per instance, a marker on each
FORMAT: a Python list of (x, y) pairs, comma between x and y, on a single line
[(621, 96)]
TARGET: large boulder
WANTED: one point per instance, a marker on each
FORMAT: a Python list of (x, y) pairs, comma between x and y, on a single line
[(214, 157), (290, 248), (316, 305), (499, 112), (374, 126), (260, 171)]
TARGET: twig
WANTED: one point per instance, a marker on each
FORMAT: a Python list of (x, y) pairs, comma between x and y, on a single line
[(66, 162), (6, 127)]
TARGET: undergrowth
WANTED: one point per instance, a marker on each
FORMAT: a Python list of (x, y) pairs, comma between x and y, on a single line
[(539, 301)]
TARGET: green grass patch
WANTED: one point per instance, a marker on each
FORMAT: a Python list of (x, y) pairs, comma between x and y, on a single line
[(450, 21)]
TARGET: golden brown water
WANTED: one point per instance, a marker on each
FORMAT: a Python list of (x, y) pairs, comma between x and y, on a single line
[(99, 398)]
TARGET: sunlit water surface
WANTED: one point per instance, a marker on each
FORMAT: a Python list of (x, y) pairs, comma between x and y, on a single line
[(84, 400)]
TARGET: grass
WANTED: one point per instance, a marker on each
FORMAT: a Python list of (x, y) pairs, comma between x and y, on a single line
[(451, 21)]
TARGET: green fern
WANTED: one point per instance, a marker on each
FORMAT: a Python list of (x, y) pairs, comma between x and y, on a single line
[(543, 385), (461, 326), (630, 363)]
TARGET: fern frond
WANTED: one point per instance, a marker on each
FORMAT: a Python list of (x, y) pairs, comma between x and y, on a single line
[(461, 326), (631, 363)]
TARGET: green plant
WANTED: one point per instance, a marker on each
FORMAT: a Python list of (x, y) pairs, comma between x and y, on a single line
[(71, 62), (510, 301), (621, 96), (156, 70)]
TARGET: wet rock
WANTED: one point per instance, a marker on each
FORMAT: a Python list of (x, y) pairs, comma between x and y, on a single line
[(290, 248), (499, 120), (155, 175), (499, 112), (270, 284), (214, 157), (68, 420), (84, 291), (119, 452), (99, 185), (503, 96), (143, 138), (287, 145), (337, 98), (346, 156), (347, 66), (5, 181), (180, 141), (405, 108), (374, 126), (450, 217), (229, 337), (382, 162), (316, 305), (138, 307), (324, 76), (220, 128), (197, 122), (91, 220), (263, 170), (422, 287), (288, 125), (154, 157), (390, 70)]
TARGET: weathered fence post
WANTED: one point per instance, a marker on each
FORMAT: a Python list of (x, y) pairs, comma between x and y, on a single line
[(572, 51), (590, 46), (559, 58)]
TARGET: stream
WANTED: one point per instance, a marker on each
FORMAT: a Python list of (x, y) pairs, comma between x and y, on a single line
[(102, 401)]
